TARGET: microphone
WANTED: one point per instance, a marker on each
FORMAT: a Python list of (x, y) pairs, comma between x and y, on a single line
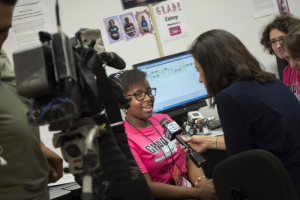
[(173, 129), (113, 60)]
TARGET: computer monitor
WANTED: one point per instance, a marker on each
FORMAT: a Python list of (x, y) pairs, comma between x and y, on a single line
[(176, 80)]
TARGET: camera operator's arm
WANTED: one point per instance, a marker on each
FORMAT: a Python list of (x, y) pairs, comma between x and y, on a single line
[(202, 143), (55, 163), (166, 191)]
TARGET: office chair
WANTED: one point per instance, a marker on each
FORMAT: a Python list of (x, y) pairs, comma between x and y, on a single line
[(213, 158), (253, 175)]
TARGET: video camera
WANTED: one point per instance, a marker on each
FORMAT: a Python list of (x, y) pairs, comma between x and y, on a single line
[(68, 89)]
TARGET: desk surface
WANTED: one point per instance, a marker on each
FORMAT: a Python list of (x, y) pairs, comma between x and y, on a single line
[(66, 193)]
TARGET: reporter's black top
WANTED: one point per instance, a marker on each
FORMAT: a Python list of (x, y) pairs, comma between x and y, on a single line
[(262, 116)]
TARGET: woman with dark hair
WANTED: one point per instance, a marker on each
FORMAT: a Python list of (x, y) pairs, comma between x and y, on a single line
[(256, 110), (291, 45), (272, 38), (159, 159)]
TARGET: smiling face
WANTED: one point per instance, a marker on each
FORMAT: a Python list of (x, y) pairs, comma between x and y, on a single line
[(275, 34), (5, 21), (293, 59), (139, 111)]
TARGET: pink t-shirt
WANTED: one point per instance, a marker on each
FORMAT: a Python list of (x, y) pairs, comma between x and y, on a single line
[(151, 158), (292, 79)]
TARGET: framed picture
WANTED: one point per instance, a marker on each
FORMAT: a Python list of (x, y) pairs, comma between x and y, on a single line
[(129, 26), (135, 3), (144, 22), (283, 7), (113, 29)]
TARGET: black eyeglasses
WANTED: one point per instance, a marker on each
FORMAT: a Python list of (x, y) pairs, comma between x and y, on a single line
[(273, 43), (140, 95)]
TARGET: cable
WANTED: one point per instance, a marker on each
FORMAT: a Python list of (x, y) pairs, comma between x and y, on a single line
[(50, 104)]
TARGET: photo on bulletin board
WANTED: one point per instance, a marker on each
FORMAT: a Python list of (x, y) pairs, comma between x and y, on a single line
[(144, 22), (283, 7), (135, 3), (113, 29), (129, 26)]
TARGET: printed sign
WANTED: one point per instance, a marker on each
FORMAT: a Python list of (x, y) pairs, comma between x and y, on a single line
[(170, 19)]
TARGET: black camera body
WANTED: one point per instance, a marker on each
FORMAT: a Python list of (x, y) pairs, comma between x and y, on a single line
[(68, 89), (47, 74)]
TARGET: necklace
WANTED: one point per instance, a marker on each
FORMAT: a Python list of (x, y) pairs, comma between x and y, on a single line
[(156, 144)]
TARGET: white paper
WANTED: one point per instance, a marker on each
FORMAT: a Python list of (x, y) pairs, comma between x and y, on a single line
[(263, 8), (170, 20), (67, 178), (26, 23), (25, 2)]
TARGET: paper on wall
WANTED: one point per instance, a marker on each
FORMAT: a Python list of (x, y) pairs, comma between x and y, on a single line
[(263, 8), (170, 19), (25, 2), (27, 21)]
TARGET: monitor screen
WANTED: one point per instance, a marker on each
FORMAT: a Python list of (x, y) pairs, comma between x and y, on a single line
[(177, 84)]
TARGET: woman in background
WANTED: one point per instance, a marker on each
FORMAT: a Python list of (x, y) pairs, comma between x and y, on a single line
[(272, 38)]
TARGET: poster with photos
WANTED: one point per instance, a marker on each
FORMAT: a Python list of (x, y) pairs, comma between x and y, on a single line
[(283, 7), (114, 29), (129, 26), (135, 3), (144, 22)]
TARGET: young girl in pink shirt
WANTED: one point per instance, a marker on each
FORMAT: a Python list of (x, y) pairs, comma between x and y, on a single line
[(157, 157), (291, 44)]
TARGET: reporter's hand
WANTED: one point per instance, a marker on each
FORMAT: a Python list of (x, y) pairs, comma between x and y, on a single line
[(207, 191), (55, 163), (197, 142)]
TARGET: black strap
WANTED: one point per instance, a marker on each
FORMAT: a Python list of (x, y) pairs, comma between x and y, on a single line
[(104, 89)]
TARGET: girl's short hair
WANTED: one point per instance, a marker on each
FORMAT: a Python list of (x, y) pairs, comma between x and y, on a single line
[(224, 60), (132, 78), (282, 23)]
